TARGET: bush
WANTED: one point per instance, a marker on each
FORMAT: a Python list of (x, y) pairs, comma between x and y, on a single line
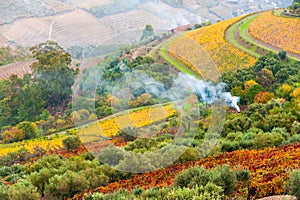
[(220, 176), (191, 154), (224, 177), (66, 185), (3, 192), (13, 135), (111, 155), (228, 146), (294, 139), (282, 55), (23, 190), (29, 129), (5, 171), (72, 142), (293, 185), (191, 177), (263, 140)]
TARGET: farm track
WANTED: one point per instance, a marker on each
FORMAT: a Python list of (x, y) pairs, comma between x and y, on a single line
[(249, 44)]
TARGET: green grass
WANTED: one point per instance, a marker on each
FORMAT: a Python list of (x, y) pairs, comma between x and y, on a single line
[(251, 51), (277, 12), (243, 33), (181, 67), (243, 28)]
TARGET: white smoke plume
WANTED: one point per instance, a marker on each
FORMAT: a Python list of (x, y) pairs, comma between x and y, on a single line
[(207, 91)]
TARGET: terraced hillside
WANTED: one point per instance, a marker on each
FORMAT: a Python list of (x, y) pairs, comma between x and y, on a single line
[(26, 22), (211, 40), (281, 39), (80, 28), (19, 69), (280, 32)]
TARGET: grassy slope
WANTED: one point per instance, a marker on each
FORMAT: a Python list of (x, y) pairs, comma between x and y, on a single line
[(231, 32), (176, 63), (243, 32)]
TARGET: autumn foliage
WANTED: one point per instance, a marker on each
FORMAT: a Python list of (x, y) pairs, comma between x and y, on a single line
[(281, 32), (269, 170), (139, 118), (205, 48)]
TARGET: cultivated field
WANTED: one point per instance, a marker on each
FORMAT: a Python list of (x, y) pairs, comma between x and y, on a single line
[(209, 44), (277, 31)]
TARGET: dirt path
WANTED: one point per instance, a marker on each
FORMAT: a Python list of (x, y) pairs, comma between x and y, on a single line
[(270, 46), (283, 197), (261, 46)]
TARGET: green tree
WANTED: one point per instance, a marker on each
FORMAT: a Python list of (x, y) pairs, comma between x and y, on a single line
[(41, 179), (29, 129), (282, 55), (72, 142), (266, 78), (251, 92), (66, 185), (3, 192), (45, 114), (52, 72), (148, 32)]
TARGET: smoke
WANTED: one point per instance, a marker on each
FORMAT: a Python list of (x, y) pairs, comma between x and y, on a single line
[(207, 91), (183, 86)]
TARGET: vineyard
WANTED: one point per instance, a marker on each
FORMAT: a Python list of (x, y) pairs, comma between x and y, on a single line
[(269, 170), (137, 119), (205, 48), (277, 31), (30, 145)]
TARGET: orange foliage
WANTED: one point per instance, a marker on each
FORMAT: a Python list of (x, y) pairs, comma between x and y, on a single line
[(268, 168), (206, 47), (296, 93), (278, 31), (263, 97), (249, 84), (14, 134)]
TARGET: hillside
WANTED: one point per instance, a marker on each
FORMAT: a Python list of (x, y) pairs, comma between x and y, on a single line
[(277, 31), (31, 22), (212, 40), (208, 112)]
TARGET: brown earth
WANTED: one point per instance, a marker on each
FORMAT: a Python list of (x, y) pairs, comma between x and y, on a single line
[(283, 197)]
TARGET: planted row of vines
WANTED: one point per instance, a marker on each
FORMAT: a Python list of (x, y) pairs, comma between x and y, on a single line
[(206, 47), (278, 31), (134, 119), (269, 170), (44, 143)]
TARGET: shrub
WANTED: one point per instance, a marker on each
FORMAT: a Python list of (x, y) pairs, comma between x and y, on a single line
[(191, 154), (220, 176), (29, 129), (294, 139), (111, 155), (263, 140), (224, 177), (13, 135), (3, 192), (66, 185), (228, 146), (5, 171), (293, 185), (23, 190), (191, 177), (72, 142)]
